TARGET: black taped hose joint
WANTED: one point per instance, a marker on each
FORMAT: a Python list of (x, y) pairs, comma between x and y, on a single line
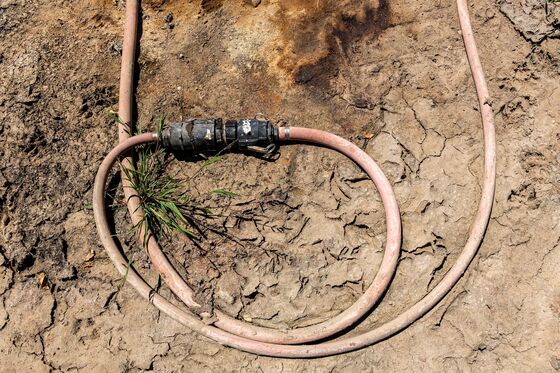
[(196, 136)]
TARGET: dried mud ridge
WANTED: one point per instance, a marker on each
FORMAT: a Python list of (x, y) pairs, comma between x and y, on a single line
[(309, 228)]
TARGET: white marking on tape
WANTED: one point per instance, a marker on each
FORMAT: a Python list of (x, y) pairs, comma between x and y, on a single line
[(246, 126)]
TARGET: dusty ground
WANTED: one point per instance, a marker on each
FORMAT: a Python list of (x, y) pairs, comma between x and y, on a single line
[(391, 76)]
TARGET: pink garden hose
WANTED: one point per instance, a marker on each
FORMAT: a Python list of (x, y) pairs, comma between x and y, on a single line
[(265, 341)]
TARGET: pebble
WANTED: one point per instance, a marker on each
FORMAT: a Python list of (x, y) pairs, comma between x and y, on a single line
[(555, 362), (254, 3)]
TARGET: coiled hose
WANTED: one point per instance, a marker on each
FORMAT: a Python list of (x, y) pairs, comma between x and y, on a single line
[(265, 341)]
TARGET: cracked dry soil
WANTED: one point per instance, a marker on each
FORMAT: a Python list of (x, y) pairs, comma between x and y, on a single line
[(305, 234)]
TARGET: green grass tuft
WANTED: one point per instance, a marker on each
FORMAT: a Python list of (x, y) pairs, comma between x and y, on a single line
[(167, 208)]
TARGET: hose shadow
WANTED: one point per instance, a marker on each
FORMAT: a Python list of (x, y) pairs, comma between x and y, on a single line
[(112, 205), (136, 78)]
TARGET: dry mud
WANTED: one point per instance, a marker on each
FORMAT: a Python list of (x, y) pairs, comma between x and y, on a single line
[(306, 232)]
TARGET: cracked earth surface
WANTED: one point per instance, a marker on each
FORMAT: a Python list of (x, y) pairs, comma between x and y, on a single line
[(305, 234)]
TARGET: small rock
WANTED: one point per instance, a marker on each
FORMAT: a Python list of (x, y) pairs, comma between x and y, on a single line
[(169, 21), (247, 318), (254, 3), (115, 48), (555, 362)]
